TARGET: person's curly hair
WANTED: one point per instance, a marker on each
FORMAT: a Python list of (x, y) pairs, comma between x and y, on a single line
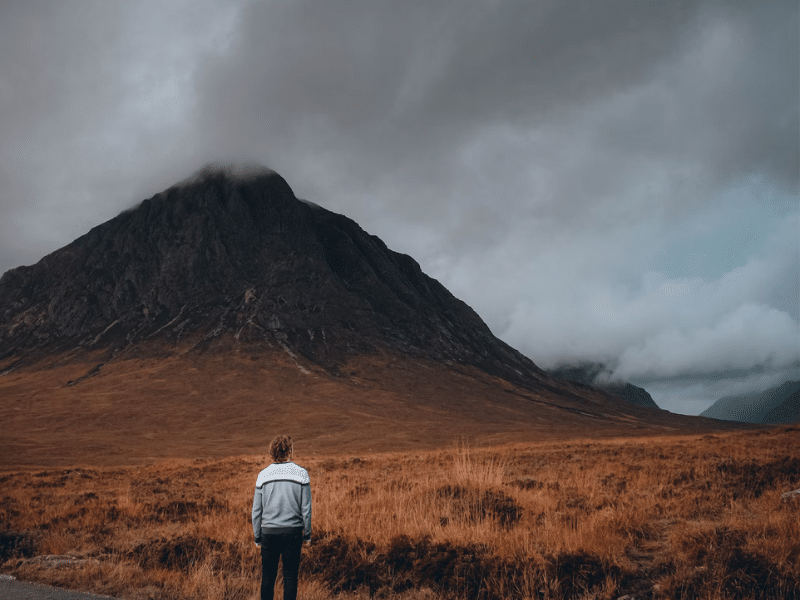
[(280, 448)]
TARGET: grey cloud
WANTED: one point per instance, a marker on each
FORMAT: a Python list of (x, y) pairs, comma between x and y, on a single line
[(94, 97), (423, 71), (598, 97)]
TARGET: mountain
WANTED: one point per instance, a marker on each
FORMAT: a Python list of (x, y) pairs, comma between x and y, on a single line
[(780, 404), (597, 375), (222, 257), (224, 309), (788, 411)]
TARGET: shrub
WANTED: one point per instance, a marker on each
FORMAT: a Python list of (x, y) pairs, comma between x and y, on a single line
[(475, 506), (17, 544)]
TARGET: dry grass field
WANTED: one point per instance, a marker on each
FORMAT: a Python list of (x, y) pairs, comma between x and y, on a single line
[(213, 406), (690, 517)]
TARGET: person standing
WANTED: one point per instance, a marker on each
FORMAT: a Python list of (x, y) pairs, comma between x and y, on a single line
[(281, 518)]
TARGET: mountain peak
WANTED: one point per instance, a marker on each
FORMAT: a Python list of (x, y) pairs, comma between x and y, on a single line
[(234, 171), (242, 191)]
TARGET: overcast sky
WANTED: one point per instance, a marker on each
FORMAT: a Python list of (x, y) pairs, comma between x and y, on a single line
[(600, 180)]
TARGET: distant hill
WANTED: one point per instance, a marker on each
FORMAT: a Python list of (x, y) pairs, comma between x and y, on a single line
[(780, 404), (594, 374)]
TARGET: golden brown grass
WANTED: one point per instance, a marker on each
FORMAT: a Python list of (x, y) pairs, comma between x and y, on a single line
[(187, 405), (673, 517)]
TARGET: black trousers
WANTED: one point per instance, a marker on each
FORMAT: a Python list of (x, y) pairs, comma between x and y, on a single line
[(273, 547)]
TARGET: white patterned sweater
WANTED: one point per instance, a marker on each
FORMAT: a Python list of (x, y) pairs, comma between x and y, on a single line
[(282, 501)]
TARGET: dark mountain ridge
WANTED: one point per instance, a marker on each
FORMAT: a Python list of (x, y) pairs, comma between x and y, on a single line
[(224, 258), (779, 404), (597, 375)]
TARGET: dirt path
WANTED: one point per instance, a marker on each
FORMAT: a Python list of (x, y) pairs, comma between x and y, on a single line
[(19, 590), (647, 555)]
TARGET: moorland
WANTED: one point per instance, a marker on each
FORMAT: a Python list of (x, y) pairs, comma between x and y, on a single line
[(668, 516)]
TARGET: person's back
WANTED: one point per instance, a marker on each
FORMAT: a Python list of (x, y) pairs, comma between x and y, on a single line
[(281, 518)]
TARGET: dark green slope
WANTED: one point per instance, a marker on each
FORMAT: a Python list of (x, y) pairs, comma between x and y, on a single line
[(780, 404)]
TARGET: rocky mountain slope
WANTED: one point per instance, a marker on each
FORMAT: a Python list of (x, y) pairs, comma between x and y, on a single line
[(240, 258), (780, 404), (224, 309)]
